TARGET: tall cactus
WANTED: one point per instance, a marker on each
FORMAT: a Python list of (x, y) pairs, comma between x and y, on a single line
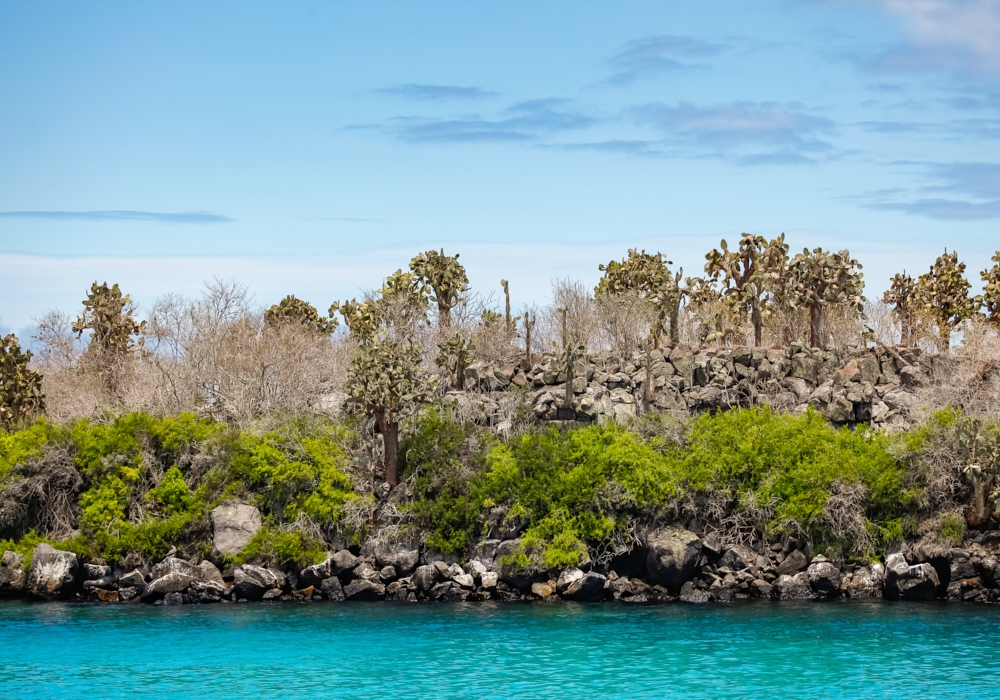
[(943, 294), (446, 277), (529, 323), (506, 313), (21, 395), (115, 334), (901, 295), (991, 290), (821, 279), (745, 275)]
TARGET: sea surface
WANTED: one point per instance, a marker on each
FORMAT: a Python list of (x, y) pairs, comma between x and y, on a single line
[(557, 650)]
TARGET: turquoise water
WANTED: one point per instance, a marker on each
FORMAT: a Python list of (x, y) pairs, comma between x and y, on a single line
[(761, 650)]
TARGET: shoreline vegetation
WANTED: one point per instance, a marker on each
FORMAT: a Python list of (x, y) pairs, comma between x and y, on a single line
[(762, 432)]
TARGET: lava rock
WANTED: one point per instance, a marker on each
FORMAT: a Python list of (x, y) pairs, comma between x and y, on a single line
[(794, 587), (362, 589), (332, 589), (824, 578), (404, 560), (587, 589), (13, 577), (672, 557), (252, 582), (233, 526), (52, 574), (793, 563)]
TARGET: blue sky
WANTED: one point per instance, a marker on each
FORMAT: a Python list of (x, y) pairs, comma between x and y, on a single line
[(314, 147)]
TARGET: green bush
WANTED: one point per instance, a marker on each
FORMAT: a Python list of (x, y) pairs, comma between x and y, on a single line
[(18, 446), (273, 546)]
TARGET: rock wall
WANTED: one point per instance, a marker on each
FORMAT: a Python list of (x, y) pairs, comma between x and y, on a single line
[(868, 385), (672, 564)]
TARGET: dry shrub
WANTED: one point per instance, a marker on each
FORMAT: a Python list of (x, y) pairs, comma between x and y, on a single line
[(41, 496), (623, 323), (581, 317), (969, 379), (214, 355)]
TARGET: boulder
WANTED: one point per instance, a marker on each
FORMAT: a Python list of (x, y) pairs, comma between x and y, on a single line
[(793, 587), (12, 574), (672, 557), (252, 582), (917, 582), (332, 589), (317, 573), (233, 526), (52, 573), (490, 579), (387, 574), (342, 563), (464, 580), (690, 594), (455, 594), (542, 590), (793, 563), (587, 589), (403, 559), (760, 588), (476, 569), (362, 589), (209, 572), (134, 578), (172, 565), (866, 582), (738, 557), (207, 591), (824, 578), (567, 578), (95, 571), (173, 582), (424, 577)]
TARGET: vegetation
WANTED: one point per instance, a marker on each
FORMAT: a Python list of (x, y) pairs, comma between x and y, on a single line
[(150, 425), (21, 395)]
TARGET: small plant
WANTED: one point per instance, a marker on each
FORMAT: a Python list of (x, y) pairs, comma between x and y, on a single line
[(21, 396), (455, 355)]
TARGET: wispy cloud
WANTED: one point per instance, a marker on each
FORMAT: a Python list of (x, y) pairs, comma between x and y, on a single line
[(958, 36), (657, 54), (975, 190), (521, 122), (188, 217), (751, 132), (630, 147), (416, 91)]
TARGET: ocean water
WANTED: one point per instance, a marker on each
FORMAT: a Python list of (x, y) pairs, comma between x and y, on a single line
[(759, 650)]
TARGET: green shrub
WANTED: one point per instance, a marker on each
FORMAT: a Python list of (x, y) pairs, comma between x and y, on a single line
[(18, 446), (273, 546), (296, 471)]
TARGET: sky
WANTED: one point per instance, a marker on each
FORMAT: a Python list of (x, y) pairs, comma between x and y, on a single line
[(312, 148)]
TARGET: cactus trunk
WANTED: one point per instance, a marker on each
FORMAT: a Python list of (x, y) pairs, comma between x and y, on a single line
[(815, 324), (390, 453)]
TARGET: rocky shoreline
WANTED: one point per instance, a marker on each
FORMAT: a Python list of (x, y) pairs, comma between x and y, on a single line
[(674, 564)]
